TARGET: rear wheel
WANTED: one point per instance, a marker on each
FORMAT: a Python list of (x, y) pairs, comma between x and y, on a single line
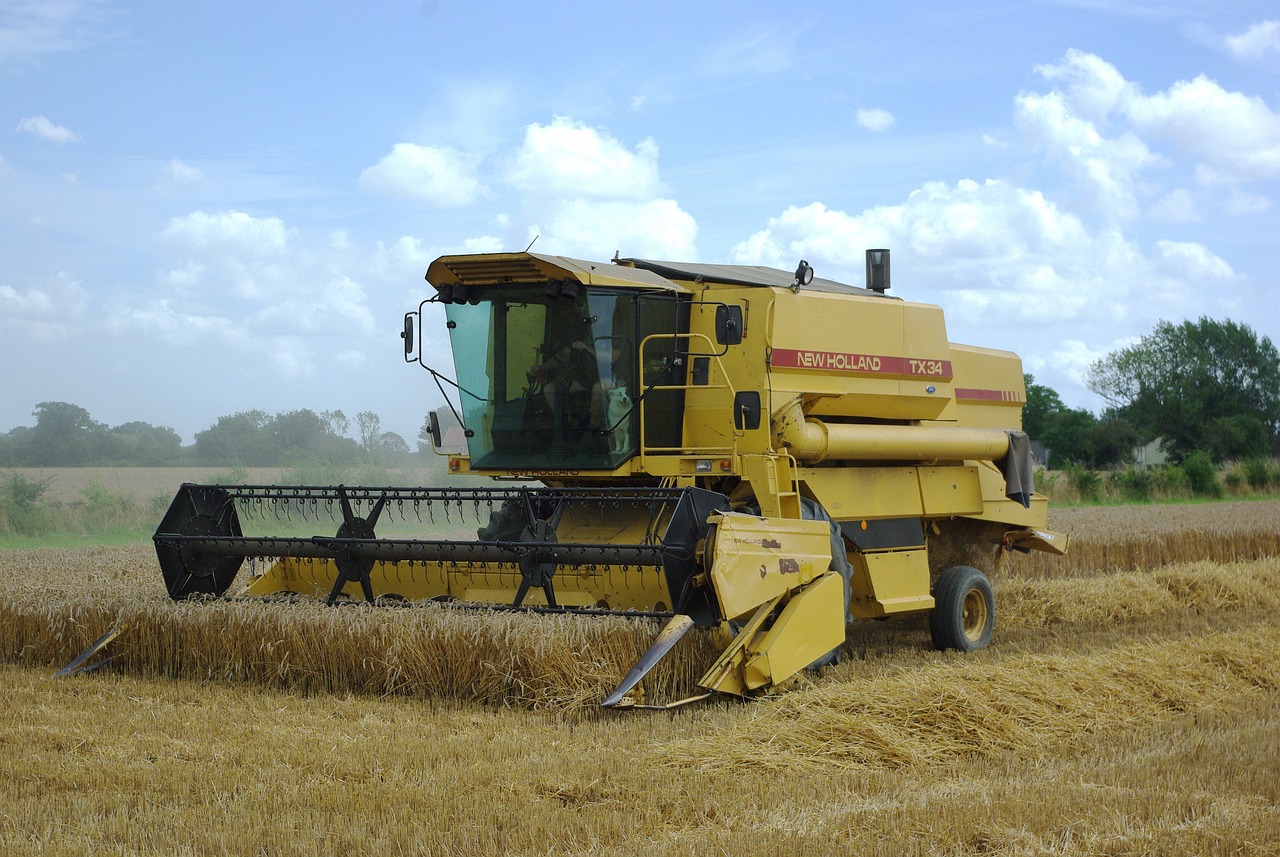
[(964, 611)]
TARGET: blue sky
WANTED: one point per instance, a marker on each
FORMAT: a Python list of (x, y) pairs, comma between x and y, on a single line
[(209, 208)]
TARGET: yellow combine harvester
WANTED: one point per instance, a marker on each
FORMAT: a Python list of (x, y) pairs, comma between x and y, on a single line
[(768, 453)]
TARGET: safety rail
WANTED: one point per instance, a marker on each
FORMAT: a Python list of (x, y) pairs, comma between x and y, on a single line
[(688, 388)]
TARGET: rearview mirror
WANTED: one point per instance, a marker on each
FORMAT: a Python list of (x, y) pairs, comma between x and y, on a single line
[(728, 324), (407, 335), (433, 428)]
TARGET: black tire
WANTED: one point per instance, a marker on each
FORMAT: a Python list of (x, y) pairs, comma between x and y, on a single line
[(964, 610)]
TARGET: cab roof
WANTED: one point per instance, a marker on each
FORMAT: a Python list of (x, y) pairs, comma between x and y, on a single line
[(741, 275), (491, 269), (480, 269)]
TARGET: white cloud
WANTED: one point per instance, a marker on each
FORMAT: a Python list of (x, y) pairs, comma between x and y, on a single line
[(965, 221), (47, 313), (1235, 137), (42, 127), (402, 258), (187, 277), (315, 312), (284, 356), (995, 250), (482, 244), (31, 29), (569, 158), (30, 302), (1105, 169), (1258, 42), (657, 227), (262, 276), (439, 175), (178, 173), (1189, 262), (1072, 358), (1241, 203), (1177, 206), (1094, 86), (160, 321), (875, 119), (228, 232)]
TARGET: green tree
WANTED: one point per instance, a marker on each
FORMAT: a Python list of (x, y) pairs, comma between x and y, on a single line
[(337, 422), (1203, 385), (304, 434), (1043, 409), (370, 427), (296, 432), (1074, 435), (64, 436), (394, 447), (1069, 437), (141, 443), (239, 439)]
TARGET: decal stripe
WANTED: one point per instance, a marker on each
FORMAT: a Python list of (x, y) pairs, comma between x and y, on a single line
[(987, 395), (870, 364)]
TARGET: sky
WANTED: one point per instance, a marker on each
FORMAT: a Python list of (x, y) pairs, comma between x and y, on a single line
[(208, 208)]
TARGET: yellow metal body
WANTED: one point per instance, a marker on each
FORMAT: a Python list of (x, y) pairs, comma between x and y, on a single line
[(754, 559), (613, 587), (886, 582), (784, 399)]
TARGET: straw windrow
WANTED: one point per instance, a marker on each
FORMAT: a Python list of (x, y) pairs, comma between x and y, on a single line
[(968, 707)]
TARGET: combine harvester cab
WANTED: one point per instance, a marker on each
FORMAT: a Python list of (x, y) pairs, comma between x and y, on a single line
[(767, 453)]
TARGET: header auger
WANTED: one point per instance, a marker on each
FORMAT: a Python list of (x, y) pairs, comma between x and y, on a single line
[(770, 454)]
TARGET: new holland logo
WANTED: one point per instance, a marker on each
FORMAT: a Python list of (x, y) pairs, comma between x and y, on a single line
[(871, 364)]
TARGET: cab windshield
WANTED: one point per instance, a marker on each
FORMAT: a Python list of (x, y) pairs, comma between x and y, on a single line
[(551, 381)]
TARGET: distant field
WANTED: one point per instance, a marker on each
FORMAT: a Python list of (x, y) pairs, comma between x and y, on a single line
[(144, 483), (141, 483)]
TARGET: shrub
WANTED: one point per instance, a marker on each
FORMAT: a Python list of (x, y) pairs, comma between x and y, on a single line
[(1170, 481), (1046, 482), (1259, 474), (1085, 482), (21, 512), (100, 509), (1133, 483), (1201, 474)]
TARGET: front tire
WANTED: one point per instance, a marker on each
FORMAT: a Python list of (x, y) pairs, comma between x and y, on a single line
[(964, 612)]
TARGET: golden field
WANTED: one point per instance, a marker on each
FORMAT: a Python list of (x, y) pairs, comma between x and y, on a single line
[(1130, 704)]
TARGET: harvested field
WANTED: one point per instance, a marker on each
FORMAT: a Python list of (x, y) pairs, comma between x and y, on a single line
[(441, 652), (1121, 538), (1129, 705)]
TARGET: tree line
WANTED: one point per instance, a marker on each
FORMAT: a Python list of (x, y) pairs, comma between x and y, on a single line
[(1201, 388), (65, 435), (1207, 389)]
